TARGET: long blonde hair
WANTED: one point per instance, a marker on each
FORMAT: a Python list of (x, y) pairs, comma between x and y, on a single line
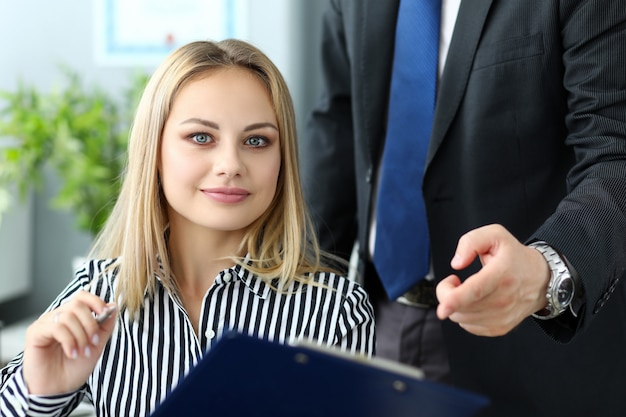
[(280, 244)]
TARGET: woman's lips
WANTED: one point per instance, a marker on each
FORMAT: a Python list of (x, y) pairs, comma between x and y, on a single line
[(226, 195)]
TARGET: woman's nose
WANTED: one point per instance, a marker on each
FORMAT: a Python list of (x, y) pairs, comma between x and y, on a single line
[(228, 161)]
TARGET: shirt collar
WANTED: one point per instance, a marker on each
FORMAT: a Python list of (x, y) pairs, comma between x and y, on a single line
[(255, 284)]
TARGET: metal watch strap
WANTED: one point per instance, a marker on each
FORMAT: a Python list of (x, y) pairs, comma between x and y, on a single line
[(558, 269)]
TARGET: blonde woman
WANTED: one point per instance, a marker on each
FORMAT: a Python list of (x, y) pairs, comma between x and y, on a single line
[(210, 234)]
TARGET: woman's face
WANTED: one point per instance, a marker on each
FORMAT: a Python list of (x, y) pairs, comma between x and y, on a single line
[(220, 152)]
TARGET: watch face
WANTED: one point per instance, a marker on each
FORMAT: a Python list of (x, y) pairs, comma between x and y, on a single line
[(565, 291)]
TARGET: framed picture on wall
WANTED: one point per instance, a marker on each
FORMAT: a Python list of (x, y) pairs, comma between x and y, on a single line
[(143, 32)]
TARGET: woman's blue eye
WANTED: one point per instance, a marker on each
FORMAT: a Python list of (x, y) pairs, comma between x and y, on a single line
[(257, 141), (200, 137)]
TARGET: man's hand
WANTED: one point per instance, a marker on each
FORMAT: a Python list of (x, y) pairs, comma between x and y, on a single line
[(510, 286)]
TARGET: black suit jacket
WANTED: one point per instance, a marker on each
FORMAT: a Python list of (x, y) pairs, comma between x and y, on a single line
[(529, 132)]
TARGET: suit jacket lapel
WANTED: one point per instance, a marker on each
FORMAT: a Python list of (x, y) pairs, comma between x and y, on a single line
[(467, 31), (375, 57)]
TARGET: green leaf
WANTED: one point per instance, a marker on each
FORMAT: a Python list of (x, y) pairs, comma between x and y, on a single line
[(78, 131)]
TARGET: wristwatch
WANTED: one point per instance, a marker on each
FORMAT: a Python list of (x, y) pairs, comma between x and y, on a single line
[(561, 288)]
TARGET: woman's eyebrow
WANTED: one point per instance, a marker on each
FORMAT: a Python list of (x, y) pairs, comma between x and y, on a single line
[(214, 125), (204, 122), (260, 126)]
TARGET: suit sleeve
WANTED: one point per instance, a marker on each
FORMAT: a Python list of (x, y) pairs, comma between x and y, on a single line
[(589, 225)]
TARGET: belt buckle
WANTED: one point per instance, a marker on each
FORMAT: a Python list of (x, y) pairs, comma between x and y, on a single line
[(421, 295)]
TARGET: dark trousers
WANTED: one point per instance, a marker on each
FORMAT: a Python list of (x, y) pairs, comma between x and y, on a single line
[(408, 334)]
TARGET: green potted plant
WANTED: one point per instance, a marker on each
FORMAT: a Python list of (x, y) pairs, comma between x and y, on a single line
[(78, 132)]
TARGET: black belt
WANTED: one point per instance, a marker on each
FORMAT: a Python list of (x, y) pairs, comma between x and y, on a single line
[(421, 295)]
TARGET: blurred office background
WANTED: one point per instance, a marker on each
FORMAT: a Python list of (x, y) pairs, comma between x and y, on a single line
[(37, 242)]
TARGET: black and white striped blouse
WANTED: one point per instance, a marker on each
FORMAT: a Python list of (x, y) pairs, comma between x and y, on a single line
[(145, 358)]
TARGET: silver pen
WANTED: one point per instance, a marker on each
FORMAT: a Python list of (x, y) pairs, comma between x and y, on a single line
[(105, 314)]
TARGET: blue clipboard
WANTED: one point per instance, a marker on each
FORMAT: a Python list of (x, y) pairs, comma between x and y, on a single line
[(247, 376)]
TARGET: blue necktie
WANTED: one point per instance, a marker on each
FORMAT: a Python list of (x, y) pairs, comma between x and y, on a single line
[(401, 251)]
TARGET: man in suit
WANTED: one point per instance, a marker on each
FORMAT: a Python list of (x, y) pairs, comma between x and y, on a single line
[(524, 188)]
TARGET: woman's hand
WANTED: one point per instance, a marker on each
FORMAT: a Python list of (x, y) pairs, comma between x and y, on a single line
[(64, 345)]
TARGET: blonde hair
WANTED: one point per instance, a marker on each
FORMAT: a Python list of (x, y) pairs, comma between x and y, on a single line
[(280, 244)]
